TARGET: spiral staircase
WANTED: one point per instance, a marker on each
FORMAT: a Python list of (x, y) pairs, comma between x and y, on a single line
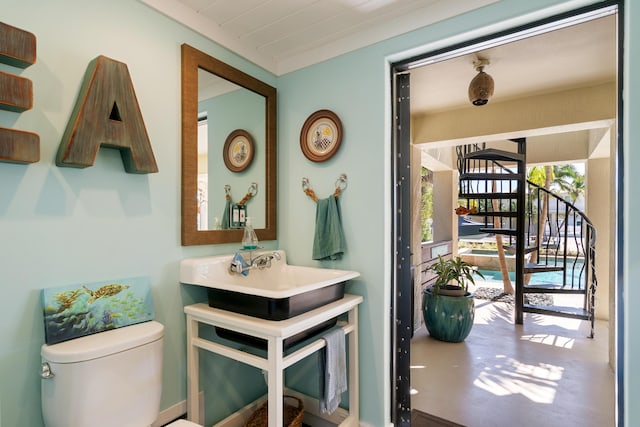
[(543, 231)]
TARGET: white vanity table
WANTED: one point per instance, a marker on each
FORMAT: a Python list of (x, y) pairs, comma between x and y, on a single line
[(274, 332)]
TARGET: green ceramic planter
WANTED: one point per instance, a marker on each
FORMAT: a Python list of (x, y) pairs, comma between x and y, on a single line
[(448, 318)]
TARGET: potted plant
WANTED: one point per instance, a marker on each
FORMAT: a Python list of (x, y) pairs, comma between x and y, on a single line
[(448, 306)]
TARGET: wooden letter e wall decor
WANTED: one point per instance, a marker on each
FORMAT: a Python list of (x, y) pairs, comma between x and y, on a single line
[(107, 114), (18, 49)]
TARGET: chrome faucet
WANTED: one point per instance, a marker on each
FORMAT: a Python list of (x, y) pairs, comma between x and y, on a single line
[(264, 260), (260, 262)]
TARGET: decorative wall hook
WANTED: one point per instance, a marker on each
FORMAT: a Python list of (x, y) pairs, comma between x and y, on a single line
[(251, 191), (341, 184)]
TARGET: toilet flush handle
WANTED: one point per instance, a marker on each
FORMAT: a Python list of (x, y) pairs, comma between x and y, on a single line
[(46, 373)]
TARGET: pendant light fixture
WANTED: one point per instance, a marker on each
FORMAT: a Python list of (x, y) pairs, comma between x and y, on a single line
[(481, 87)]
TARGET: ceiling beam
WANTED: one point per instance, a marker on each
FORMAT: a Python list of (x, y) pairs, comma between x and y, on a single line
[(571, 110)]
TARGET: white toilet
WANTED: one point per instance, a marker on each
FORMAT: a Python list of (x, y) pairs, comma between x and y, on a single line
[(112, 378)]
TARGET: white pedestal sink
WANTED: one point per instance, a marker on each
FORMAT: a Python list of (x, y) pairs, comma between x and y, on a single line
[(277, 292)]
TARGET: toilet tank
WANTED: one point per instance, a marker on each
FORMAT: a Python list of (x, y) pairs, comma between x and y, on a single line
[(108, 379)]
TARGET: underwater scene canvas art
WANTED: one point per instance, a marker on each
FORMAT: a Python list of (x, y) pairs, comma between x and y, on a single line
[(82, 309)]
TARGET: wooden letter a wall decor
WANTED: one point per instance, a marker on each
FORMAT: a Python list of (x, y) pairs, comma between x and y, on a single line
[(107, 114)]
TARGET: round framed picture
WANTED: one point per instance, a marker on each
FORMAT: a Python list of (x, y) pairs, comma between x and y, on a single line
[(321, 135), (238, 150)]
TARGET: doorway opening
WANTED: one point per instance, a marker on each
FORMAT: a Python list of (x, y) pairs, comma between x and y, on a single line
[(426, 132)]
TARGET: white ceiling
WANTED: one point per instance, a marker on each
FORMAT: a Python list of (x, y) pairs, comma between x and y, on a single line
[(580, 55), (286, 35)]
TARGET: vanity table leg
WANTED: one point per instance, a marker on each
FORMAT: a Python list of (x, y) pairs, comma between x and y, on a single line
[(275, 381), (354, 372), (193, 403)]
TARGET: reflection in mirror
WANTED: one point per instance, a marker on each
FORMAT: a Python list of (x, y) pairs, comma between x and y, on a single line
[(225, 108), (219, 101)]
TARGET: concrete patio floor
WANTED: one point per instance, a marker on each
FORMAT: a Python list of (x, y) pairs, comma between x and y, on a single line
[(545, 372)]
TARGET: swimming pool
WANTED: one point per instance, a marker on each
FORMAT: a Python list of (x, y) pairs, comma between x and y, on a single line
[(547, 277), (487, 259)]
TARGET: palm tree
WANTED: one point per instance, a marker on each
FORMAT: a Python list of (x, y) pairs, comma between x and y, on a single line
[(507, 287), (569, 181), (541, 176), (426, 204), (577, 189), (537, 175)]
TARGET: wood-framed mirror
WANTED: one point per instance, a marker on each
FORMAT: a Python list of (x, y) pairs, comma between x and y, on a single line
[(228, 100)]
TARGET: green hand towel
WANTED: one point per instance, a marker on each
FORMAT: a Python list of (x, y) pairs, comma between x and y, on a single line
[(226, 224), (329, 242)]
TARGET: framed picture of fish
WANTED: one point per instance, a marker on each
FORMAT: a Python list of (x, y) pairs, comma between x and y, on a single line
[(77, 310)]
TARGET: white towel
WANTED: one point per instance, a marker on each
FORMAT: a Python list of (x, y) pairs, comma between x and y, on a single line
[(333, 370)]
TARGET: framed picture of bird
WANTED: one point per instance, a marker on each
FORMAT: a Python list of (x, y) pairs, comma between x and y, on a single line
[(321, 136)]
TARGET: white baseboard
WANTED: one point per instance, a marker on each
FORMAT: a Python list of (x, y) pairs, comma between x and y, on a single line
[(176, 411)]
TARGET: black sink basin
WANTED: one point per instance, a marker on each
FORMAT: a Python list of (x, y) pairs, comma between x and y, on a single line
[(275, 309), (269, 308)]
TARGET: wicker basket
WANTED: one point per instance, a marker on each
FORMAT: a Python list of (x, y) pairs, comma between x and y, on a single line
[(292, 414)]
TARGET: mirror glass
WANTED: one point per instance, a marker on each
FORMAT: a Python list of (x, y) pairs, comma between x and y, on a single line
[(228, 152), (225, 108)]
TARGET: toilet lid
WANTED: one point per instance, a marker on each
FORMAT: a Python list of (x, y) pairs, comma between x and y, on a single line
[(183, 423)]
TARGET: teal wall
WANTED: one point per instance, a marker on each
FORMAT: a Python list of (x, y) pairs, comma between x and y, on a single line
[(354, 87), (63, 225)]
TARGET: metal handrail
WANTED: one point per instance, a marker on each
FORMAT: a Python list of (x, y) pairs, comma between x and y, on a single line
[(582, 233), (568, 236)]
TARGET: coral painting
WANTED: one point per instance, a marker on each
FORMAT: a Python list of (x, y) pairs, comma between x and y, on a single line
[(87, 308)]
